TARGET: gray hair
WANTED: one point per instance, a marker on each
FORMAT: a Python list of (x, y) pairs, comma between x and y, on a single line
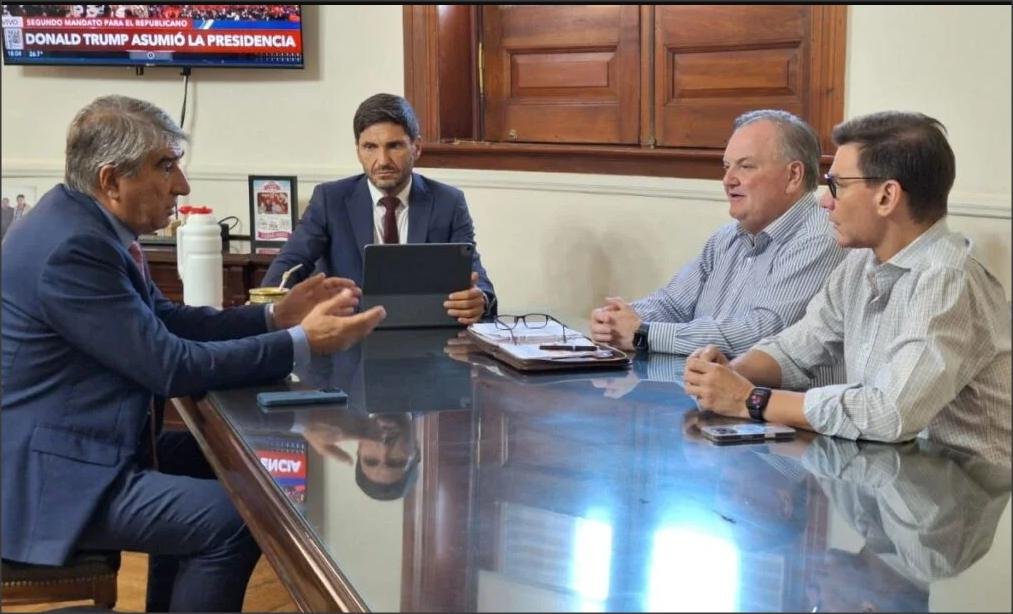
[(798, 140), (117, 131)]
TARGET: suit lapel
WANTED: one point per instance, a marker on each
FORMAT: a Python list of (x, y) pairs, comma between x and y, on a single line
[(420, 208), (148, 298), (135, 274), (360, 214)]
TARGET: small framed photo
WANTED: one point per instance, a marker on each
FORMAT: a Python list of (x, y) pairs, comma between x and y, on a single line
[(273, 214), (18, 200)]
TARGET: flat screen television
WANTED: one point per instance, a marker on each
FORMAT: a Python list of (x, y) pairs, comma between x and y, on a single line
[(191, 35)]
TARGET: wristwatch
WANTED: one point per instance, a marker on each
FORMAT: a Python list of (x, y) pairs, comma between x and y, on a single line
[(640, 337), (757, 401)]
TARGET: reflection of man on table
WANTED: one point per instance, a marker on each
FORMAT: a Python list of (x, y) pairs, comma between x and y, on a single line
[(925, 512), (387, 456)]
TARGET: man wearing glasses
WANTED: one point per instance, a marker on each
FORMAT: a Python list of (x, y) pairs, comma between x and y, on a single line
[(755, 275), (921, 326)]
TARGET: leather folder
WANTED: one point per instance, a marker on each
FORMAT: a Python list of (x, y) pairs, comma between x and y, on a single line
[(606, 357)]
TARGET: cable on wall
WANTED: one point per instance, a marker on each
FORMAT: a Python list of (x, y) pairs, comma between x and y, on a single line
[(186, 83)]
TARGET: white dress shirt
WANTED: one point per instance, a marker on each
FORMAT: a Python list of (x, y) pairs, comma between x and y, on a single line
[(379, 211), (402, 221)]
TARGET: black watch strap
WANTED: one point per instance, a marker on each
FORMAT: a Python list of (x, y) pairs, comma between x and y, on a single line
[(640, 337), (757, 401)]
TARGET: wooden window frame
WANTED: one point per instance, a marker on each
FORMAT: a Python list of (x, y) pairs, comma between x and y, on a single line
[(441, 50)]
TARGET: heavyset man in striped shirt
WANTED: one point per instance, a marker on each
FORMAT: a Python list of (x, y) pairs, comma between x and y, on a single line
[(921, 326), (755, 275)]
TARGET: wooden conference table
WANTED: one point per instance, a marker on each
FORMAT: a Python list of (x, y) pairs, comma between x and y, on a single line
[(451, 482)]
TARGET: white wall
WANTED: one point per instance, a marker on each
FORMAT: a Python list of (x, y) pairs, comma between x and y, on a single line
[(243, 121), (553, 241)]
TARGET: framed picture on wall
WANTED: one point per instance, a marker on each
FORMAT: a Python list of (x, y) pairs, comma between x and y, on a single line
[(18, 200), (273, 209)]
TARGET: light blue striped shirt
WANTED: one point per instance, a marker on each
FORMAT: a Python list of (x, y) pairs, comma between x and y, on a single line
[(742, 288)]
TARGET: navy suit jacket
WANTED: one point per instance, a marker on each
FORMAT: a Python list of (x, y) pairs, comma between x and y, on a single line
[(338, 224), (87, 344)]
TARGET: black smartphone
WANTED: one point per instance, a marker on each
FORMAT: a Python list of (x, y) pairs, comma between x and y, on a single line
[(288, 398), (746, 433)]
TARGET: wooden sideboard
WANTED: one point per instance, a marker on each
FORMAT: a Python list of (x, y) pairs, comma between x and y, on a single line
[(241, 271)]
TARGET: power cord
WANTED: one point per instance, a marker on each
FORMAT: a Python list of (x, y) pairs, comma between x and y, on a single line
[(186, 83), (233, 224)]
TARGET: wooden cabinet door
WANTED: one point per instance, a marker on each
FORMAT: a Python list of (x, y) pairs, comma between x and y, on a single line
[(562, 74), (715, 62)]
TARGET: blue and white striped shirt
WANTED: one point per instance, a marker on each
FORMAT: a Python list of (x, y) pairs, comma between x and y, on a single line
[(742, 287)]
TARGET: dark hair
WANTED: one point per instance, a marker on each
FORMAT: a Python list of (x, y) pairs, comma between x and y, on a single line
[(908, 147), (387, 492), (385, 108), (798, 140)]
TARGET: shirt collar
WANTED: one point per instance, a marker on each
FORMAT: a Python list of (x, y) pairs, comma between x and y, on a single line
[(376, 194), (782, 228), (124, 234), (882, 277), (785, 225), (916, 250)]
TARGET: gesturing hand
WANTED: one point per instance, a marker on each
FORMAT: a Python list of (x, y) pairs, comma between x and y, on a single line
[(328, 331), (306, 294)]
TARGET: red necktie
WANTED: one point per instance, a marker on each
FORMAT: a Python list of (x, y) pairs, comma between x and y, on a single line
[(390, 203), (138, 256)]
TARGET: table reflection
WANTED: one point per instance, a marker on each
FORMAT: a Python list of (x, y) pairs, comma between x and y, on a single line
[(395, 371), (477, 487), (925, 513)]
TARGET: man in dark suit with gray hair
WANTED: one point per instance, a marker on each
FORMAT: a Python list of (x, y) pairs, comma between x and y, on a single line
[(90, 346)]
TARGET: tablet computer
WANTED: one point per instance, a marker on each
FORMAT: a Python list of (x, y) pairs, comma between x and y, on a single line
[(413, 280)]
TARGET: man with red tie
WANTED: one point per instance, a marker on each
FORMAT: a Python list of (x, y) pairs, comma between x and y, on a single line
[(387, 204)]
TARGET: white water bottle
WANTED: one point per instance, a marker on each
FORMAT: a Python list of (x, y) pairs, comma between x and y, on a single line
[(199, 257)]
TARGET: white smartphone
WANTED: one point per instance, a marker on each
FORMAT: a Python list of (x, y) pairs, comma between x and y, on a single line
[(746, 433)]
